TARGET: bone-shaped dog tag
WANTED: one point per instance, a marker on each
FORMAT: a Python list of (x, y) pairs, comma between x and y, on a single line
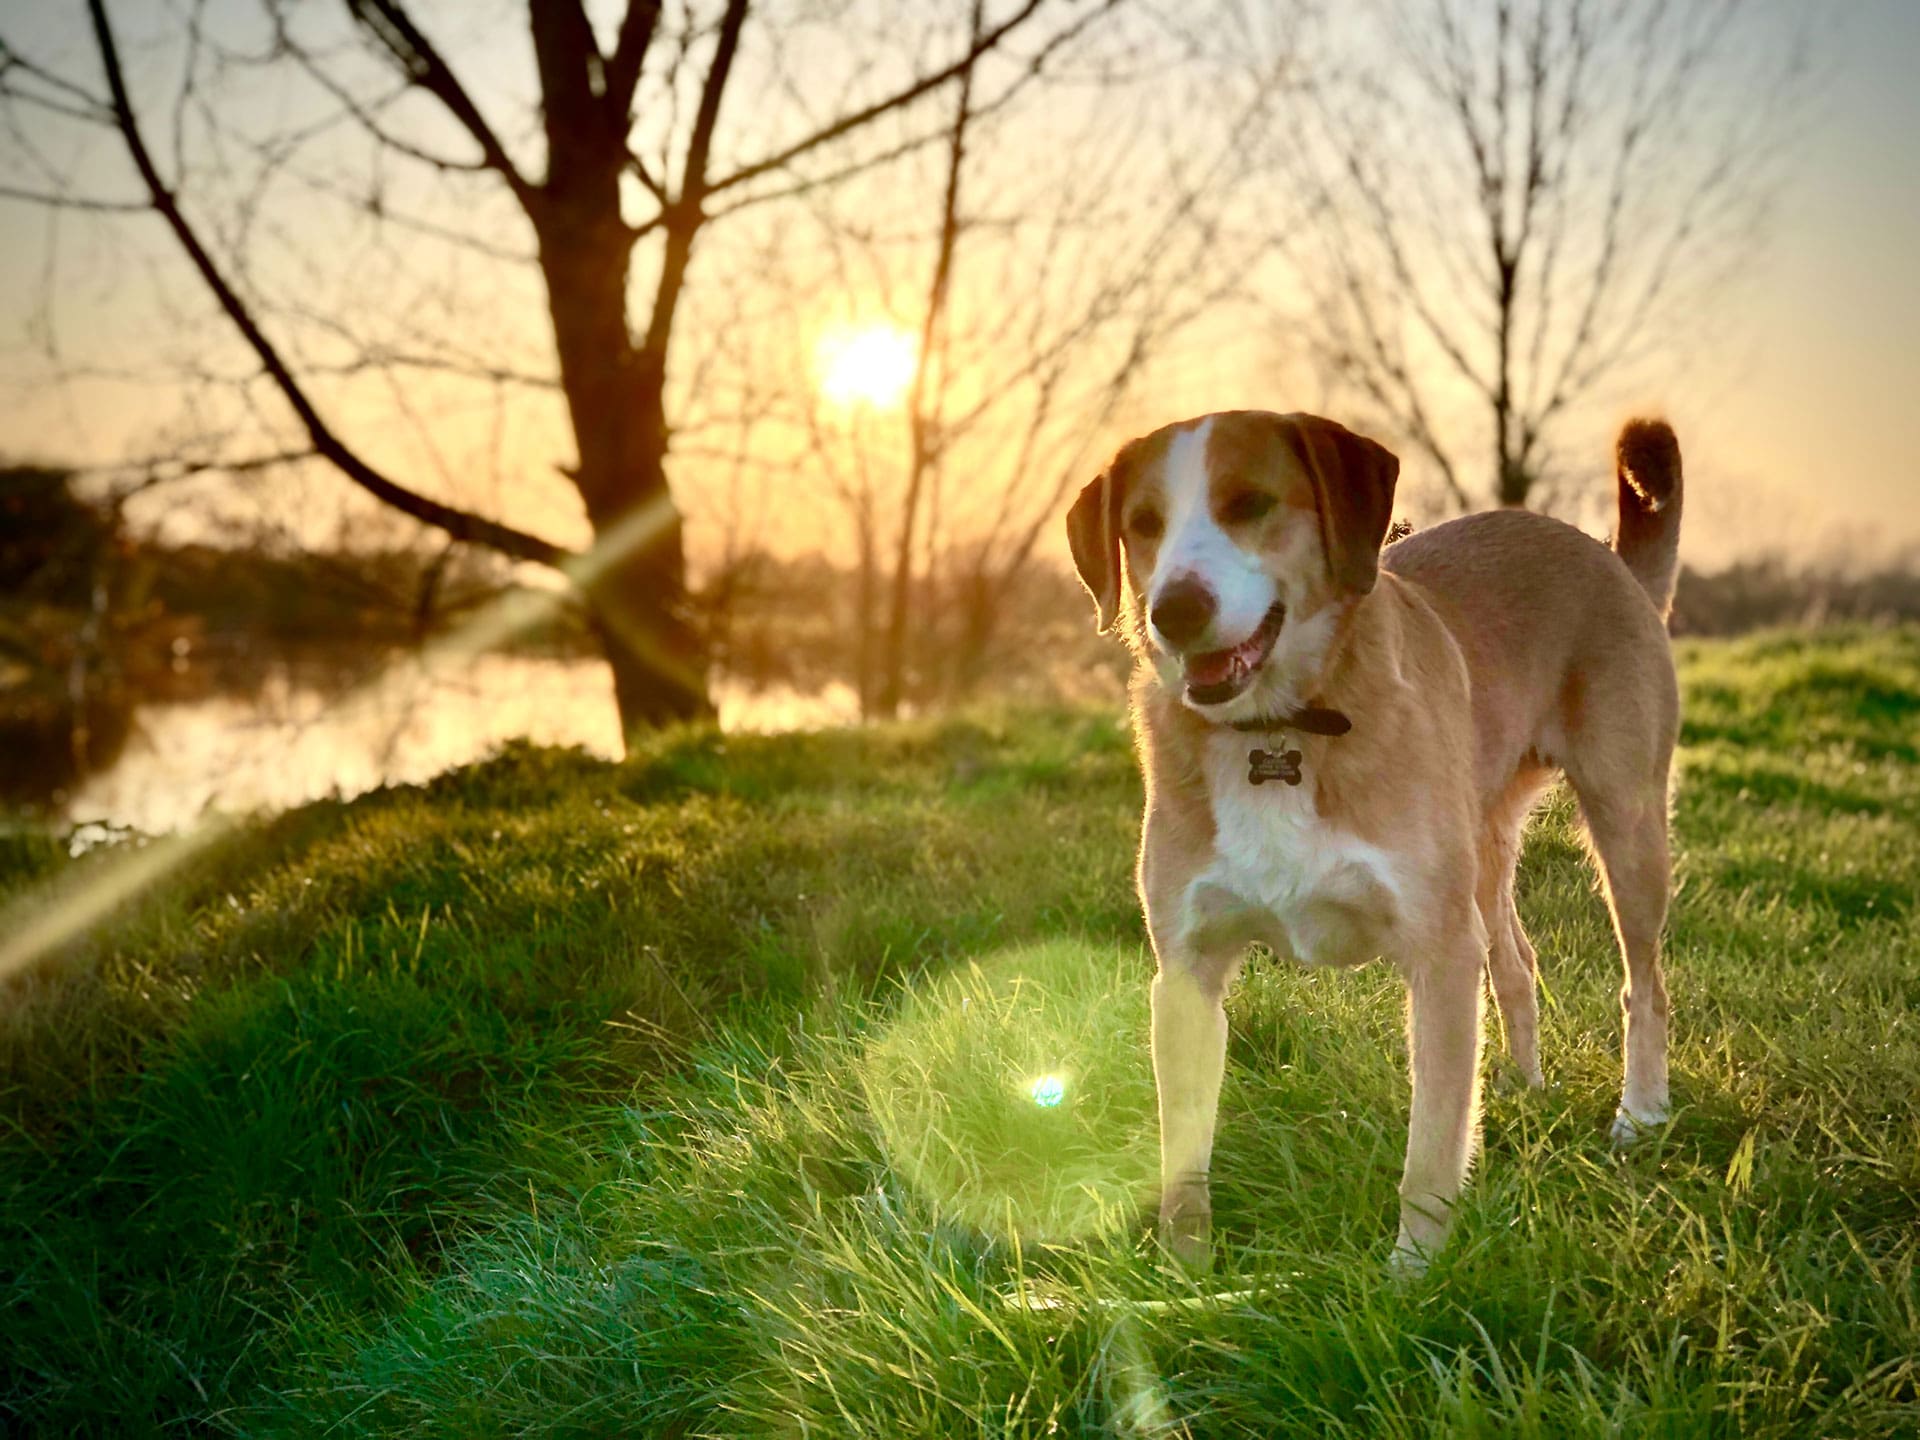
[(1263, 765)]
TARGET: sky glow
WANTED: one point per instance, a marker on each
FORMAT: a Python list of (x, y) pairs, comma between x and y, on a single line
[(870, 365)]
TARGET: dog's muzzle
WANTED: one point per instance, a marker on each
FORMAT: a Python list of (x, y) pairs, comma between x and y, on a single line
[(1217, 676)]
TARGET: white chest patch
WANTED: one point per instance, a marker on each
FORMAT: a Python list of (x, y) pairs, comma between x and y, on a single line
[(1283, 876)]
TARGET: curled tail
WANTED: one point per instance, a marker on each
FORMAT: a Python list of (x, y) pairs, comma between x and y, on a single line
[(1647, 457)]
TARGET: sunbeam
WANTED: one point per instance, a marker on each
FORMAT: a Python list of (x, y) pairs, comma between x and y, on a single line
[(40, 920)]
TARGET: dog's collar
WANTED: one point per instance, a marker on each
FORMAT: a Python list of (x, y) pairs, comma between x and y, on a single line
[(1308, 719), (1265, 764)]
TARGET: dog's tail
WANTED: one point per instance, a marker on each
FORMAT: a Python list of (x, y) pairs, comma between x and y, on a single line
[(1647, 457)]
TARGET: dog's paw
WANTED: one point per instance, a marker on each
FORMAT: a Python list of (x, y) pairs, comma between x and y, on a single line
[(1510, 1079), (1409, 1259), (1187, 1240), (1631, 1127)]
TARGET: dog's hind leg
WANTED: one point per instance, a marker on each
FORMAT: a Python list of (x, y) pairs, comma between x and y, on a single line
[(1510, 958), (1511, 966), (1629, 835)]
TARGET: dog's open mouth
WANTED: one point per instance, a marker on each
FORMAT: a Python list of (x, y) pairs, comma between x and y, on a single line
[(1217, 676)]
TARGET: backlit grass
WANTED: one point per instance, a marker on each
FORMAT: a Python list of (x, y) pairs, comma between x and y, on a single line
[(694, 1096)]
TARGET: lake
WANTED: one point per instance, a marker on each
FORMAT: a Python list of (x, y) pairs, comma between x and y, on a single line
[(294, 741)]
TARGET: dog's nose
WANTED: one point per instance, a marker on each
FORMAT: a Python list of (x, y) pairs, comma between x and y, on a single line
[(1183, 611)]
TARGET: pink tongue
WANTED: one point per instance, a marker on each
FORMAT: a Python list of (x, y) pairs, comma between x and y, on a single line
[(1211, 669)]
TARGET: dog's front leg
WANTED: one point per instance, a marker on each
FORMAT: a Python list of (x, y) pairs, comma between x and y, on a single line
[(1443, 1037), (1189, 1061), (1200, 952)]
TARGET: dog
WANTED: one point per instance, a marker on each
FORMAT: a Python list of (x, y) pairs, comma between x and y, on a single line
[(1341, 746)]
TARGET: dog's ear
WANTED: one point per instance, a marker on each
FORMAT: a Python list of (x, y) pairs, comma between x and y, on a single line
[(1353, 479), (1093, 533)]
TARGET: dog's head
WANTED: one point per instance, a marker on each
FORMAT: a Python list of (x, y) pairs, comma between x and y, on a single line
[(1238, 537)]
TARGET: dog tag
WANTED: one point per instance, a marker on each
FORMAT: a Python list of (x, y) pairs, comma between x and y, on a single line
[(1263, 765)]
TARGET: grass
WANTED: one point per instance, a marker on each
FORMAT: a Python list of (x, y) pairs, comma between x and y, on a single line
[(695, 1096)]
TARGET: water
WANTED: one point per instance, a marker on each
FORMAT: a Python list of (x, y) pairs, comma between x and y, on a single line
[(295, 741)]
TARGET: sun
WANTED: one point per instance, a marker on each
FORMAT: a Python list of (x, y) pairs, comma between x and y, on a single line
[(870, 365)]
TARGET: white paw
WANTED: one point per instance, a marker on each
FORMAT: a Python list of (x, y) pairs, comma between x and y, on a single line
[(1510, 1079), (1630, 1127), (1187, 1239), (1409, 1259)]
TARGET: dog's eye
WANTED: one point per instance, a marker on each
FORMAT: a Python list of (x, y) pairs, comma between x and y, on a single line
[(1145, 524), (1244, 506)]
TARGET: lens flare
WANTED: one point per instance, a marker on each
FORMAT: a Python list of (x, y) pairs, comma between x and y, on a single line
[(970, 1083)]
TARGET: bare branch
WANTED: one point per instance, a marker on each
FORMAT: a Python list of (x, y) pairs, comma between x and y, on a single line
[(693, 183), (458, 523), (160, 470), (54, 199), (622, 73), (422, 64), (982, 43), (368, 117), (74, 101), (922, 441), (384, 358), (983, 109), (682, 220), (829, 178), (385, 214), (566, 57), (648, 182)]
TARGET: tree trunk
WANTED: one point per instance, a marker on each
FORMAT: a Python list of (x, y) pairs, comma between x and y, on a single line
[(863, 659), (652, 643), (636, 584), (979, 596), (1511, 480), (638, 589), (922, 416)]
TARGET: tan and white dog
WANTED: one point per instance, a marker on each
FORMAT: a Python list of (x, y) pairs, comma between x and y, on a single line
[(1341, 748)]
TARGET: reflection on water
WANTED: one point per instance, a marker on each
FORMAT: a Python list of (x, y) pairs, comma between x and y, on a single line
[(294, 741)]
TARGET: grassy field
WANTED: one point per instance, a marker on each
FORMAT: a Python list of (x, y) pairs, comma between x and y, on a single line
[(703, 1095)]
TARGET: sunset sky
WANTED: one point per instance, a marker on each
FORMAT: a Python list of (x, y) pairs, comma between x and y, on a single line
[(1793, 393), (1814, 415)]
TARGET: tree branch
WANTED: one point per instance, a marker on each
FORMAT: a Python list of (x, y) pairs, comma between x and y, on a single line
[(367, 116), (805, 184), (622, 75), (460, 524), (55, 200), (693, 182), (423, 66), (77, 101), (846, 124), (566, 57), (683, 218)]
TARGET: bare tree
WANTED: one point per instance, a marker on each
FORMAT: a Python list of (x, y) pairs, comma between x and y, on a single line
[(1061, 238), (1516, 202), (630, 150), (920, 428)]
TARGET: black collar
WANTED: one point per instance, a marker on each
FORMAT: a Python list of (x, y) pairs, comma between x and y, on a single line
[(1308, 719), (1284, 765)]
